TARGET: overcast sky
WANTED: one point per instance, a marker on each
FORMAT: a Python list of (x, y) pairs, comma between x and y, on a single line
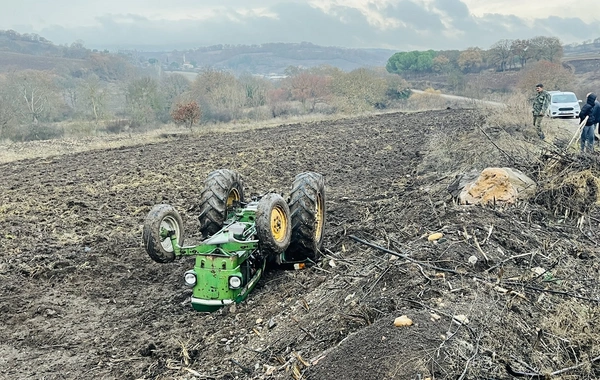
[(401, 25)]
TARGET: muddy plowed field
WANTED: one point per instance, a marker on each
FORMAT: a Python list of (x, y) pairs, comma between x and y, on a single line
[(508, 291)]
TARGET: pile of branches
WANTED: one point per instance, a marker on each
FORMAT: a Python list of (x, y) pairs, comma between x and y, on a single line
[(568, 183)]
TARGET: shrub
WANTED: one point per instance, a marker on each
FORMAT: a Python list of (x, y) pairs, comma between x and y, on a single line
[(187, 114), (35, 132), (554, 76), (427, 100), (117, 126)]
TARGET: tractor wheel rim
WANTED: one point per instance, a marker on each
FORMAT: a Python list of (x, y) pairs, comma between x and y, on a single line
[(319, 218), (234, 196), (278, 224), (169, 224)]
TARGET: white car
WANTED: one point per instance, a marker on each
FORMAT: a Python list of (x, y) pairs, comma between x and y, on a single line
[(563, 104)]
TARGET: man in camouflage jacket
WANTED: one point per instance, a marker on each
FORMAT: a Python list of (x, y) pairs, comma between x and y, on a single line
[(541, 102)]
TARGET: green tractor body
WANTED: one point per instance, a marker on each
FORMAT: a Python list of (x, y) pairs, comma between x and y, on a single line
[(229, 262)]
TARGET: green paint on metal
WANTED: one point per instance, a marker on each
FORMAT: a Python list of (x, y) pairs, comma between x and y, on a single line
[(228, 253)]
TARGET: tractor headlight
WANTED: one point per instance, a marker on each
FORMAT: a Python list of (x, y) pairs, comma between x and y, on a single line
[(235, 282), (190, 278)]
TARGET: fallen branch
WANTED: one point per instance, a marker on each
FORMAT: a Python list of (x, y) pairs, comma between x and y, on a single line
[(529, 375), (510, 158), (244, 368), (464, 372), (539, 376), (503, 261), (488, 235), (403, 256), (479, 247), (376, 282), (551, 291), (513, 283), (574, 367)]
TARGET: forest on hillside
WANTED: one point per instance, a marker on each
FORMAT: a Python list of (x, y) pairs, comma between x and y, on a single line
[(503, 55)]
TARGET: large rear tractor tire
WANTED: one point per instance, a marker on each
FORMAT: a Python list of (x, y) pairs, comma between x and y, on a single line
[(223, 188), (307, 207), (273, 224), (162, 217)]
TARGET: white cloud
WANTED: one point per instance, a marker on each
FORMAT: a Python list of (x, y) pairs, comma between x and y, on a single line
[(401, 24), (586, 10)]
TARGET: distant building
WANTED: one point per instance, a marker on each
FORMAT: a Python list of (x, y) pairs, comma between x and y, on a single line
[(186, 65), (274, 76)]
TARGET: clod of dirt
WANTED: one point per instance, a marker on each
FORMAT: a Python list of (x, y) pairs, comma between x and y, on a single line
[(403, 321)]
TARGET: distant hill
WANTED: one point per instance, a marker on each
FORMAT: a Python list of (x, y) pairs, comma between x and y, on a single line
[(588, 48), (31, 51), (33, 44), (272, 58), (584, 58), (18, 61)]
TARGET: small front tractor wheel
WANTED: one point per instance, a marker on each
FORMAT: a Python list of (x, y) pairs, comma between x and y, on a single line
[(273, 225), (222, 189), (160, 219), (307, 207)]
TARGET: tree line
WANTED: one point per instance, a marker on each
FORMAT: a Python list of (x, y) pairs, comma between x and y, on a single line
[(42, 104), (503, 55), (34, 44), (588, 46)]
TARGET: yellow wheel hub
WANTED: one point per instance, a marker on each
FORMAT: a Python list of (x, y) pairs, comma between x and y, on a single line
[(279, 224), (234, 196), (319, 218)]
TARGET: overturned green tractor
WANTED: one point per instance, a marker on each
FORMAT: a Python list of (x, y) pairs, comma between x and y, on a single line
[(240, 238)]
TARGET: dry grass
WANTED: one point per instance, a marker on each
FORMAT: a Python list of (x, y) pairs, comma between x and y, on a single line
[(10, 151), (83, 137), (427, 100), (517, 112)]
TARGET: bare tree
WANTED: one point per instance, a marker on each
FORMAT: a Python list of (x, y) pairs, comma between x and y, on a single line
[(220, 94), (554, 49), (521, 49), (470, 59), (309, 88), (93, 97), (7, 108), (276, 99), (172, 86), (441, 64), (256, 89), (553, 75), (69, 87), (35, 94), (359, 90), (500, 54), (546, 48), (143, 100)]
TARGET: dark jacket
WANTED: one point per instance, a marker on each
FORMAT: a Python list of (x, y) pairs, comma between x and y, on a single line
[(588, 110), (596, 111)]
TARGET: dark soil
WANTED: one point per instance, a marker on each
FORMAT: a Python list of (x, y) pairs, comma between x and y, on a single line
[(80, 298)]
